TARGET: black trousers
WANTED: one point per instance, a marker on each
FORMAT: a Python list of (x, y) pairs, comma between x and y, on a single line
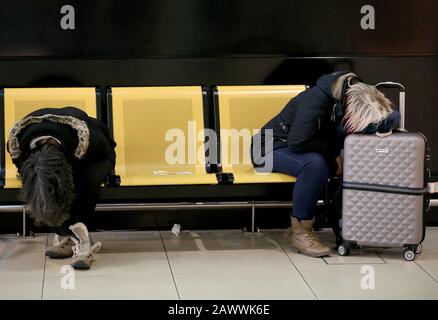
[(88, 181)]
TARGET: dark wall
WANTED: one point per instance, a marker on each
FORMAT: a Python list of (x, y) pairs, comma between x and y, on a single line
[(157, 28)]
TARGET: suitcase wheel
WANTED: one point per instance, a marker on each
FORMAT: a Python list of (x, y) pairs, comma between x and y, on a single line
[(409, 254), (343, 250), (419, 249)]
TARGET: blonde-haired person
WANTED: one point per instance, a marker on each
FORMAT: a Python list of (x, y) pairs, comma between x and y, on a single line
[(307, 138), (365, 105)]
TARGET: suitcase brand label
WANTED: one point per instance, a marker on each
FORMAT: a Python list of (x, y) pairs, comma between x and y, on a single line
[(382, 151)]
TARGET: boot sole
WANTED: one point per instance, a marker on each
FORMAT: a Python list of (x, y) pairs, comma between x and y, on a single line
[(312, 255), (80, 265), (52, 255)]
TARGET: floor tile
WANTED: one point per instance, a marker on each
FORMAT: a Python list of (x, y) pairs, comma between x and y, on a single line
[(362, 256), (394, 279), (433, 274), (227, 251), (232, 265), (136, 253), (36, 243), (151, 287), (242, 286), (224, 264), (391, 282), (21, 288), (428, 259), (217, 240), (22, 257)]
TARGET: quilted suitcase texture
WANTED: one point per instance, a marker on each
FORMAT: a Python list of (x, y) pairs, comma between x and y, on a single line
[(384, 186)]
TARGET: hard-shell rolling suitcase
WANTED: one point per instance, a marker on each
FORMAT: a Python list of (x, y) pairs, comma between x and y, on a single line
[(385, 189)]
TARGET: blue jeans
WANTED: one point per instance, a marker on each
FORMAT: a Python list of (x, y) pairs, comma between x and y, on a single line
[(312, 173)]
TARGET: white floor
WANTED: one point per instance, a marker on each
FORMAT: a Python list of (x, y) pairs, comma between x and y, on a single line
[(214, 265)]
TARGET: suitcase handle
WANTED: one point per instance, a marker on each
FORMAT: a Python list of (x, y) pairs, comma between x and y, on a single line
[(384, 134), (402, 97)]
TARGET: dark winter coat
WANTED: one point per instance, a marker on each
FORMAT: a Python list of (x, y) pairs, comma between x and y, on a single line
[(84, 140), (305, 124)]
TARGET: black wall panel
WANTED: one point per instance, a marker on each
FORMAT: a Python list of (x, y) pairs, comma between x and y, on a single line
[(139, 28)]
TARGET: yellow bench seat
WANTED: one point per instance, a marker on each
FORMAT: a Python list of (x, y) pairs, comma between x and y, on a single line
[(247, 174), (250, 108), (161, 175), (142, 119)]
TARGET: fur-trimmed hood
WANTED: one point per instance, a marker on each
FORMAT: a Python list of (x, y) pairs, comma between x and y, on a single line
[(76, 124)]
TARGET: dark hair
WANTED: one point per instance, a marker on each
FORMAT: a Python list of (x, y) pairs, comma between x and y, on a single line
[(48, 188)]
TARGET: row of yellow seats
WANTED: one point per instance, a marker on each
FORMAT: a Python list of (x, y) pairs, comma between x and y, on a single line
[(142, 116)]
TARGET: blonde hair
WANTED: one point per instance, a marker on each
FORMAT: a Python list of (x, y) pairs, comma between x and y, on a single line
[(364, 105)]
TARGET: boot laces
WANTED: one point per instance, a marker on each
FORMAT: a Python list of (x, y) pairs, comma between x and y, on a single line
[(65, 242), (89, 254), (311, 236), (76, 248)]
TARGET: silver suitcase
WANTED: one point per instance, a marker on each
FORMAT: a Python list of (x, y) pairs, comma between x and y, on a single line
[(385, 189)]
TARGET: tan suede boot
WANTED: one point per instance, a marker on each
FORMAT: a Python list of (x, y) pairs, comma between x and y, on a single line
[(304, 240), (83, 249), (62, 248)]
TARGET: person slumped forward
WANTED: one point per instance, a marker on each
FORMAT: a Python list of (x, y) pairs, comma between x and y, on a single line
[(63, 156), (306, 139)]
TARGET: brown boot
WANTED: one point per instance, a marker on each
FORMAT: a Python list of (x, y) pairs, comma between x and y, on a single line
[(304, 240)]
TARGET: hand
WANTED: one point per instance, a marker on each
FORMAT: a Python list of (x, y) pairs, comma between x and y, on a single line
[(340, 167)]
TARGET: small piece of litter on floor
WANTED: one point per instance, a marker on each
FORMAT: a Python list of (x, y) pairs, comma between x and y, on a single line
[(176, 229)]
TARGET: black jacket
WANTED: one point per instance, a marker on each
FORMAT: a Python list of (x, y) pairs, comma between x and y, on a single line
[(84, 140), (305, 124)]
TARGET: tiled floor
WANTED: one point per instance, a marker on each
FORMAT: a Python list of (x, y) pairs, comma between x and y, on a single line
[(214, 265)]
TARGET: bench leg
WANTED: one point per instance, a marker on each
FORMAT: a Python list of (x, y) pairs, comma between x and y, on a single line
[(24, 221), (24, 233), (252, 216)]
